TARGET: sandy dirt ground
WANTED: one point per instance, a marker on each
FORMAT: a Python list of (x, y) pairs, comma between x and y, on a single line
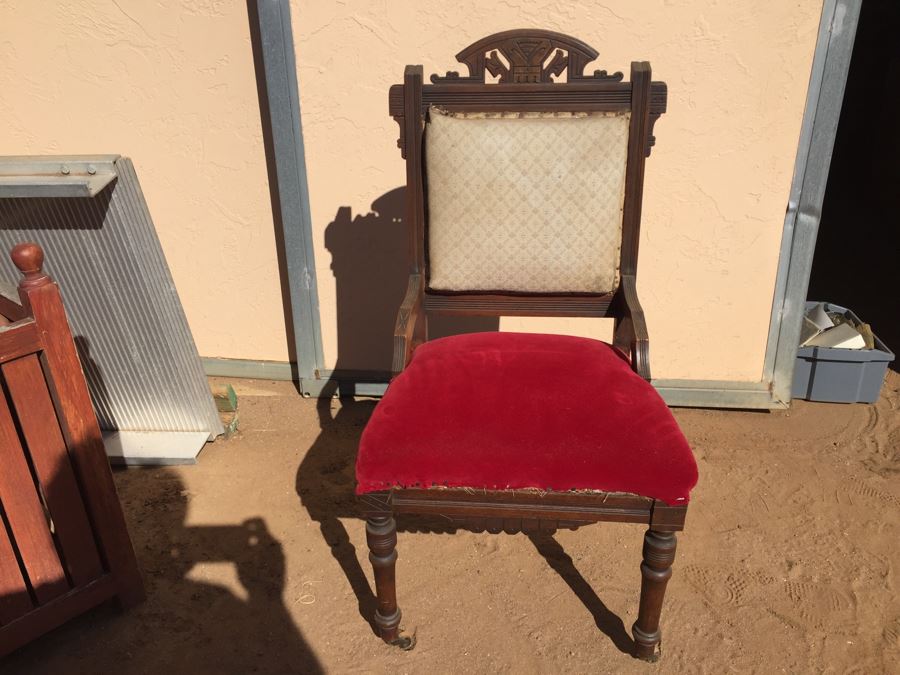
[(255, 562)]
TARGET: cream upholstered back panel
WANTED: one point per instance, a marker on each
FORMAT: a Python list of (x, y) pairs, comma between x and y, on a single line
[(525, 202)]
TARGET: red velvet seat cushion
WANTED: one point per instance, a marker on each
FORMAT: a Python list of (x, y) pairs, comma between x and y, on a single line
[(518, 410)]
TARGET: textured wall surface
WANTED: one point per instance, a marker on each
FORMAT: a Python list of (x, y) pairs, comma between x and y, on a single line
[(717, 182), (171, 85)]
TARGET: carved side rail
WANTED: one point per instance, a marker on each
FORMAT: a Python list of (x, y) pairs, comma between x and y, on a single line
[(519, 510)]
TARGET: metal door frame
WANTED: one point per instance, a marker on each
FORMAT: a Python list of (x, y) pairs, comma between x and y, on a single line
[(279, 65)]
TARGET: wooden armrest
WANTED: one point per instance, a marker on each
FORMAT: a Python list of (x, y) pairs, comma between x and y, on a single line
[(410, 326), (631, 328)]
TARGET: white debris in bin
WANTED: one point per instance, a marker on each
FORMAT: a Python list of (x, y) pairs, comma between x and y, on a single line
[(834, 330)]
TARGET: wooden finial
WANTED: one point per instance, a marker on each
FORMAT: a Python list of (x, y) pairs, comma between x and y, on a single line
[(29, 258)]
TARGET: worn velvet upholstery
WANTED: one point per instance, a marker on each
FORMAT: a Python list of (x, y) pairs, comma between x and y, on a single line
[(518, 410)]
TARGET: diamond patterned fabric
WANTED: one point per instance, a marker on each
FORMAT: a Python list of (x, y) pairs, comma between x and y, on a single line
[(527, 202)]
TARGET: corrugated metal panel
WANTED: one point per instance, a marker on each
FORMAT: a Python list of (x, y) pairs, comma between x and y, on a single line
[(137, 351)]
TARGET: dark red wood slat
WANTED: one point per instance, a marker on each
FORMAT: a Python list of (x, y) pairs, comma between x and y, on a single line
[(11, 309), (26, 514), (37, 419), (78, 423), (14, 598), (18, 339), (55, 613)]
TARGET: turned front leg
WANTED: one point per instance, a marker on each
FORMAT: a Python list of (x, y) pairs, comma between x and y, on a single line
[(659, 553), (381, 535)]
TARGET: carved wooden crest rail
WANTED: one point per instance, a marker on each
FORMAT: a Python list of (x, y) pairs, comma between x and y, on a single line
[(528, 64), (528, 59)]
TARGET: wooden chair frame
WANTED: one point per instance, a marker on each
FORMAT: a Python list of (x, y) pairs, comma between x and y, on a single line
[(50, 575), (526, 84)]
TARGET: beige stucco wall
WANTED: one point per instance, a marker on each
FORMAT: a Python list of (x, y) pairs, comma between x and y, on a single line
[(171, 84), (717, 182)]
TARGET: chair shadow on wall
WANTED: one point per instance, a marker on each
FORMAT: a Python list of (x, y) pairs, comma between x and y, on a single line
[(369, 256)]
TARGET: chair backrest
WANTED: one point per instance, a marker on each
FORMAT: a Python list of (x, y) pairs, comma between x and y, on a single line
[(524, 194)]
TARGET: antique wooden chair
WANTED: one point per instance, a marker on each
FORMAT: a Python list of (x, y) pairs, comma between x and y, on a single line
[(524, 198)]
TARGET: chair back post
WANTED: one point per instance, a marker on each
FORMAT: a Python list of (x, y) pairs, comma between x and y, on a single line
[(412, 131), (414, 128), (61, 366), (638, 149)]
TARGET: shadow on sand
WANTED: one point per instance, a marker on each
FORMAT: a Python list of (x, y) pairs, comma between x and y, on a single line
[(189, 622), (369, 261)]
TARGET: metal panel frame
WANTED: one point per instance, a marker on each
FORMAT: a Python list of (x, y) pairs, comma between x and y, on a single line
[(831, 65), (831, 62), (56, 175), (282, 92), (137, 351), (248, 368)]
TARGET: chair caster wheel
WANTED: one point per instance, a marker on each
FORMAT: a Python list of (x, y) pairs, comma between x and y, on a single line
[(405, 642)]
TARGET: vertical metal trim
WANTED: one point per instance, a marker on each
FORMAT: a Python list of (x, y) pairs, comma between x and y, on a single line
[(282, 92), (831, 64)]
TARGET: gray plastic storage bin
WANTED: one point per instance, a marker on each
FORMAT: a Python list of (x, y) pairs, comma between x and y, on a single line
[(840, 375)]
